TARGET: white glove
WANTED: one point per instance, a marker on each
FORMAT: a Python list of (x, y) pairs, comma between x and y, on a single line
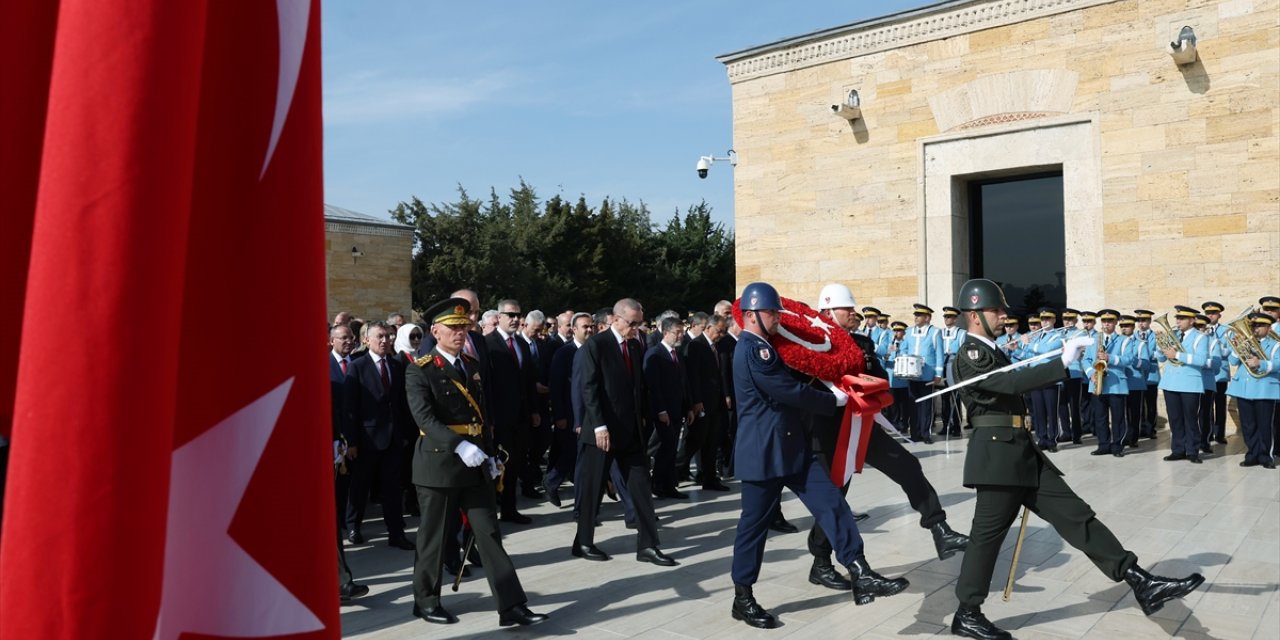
[(471, 455), (1074, 348), (842, 398), (494, 469)]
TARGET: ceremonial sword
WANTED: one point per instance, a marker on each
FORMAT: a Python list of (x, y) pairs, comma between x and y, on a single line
[(988, 374)]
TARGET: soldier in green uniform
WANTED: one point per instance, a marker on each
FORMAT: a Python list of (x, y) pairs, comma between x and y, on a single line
[(454, 468), (1010, 472)]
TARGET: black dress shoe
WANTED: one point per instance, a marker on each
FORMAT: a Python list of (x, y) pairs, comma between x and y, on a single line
[(351, 591), (1249, 463), (515, 517), (1269, 465), (1119, 453), (675, 494), (946, 541), (1221, 440), (435, 615), (827, 576), (553, 496), (1077, 441), (588, 552), (970, 623), (868, 584), (355, 537), (1206, 448), (520, 615), (1064, 438), (531, 493), (1152, 592), (746, 609), (401, 542), (1051, 449), (859, 517), (610, 491), (1174, 456), (714, 485), (474, 558), (927, 440), (454, 567), (653, 556), (782, 526), (1194, 459), (1099, 452)]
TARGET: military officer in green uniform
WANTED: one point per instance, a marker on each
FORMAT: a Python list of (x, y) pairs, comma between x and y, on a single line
[(1009, 471), (454, 468)]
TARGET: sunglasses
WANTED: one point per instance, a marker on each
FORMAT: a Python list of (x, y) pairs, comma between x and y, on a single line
[(509, 314), (635, 323), (415, 336)]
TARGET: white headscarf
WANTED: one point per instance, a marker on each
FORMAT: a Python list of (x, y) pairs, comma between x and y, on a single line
[(404, 347)]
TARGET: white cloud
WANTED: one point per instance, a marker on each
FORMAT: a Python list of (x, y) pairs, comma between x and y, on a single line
[(372, 96)]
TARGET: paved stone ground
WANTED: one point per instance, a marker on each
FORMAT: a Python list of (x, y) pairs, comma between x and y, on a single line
[(1216, 518)]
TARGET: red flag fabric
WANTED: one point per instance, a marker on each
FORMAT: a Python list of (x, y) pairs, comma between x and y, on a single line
[(867, 396), (172, 476)]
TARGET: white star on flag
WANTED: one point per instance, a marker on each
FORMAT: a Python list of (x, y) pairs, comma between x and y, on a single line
[(211, 585)]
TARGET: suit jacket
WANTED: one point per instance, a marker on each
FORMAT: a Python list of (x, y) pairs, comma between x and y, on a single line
[(511, 389), (379, 417), (336, 382), (436, 402), (706, 383), (664, 380), (612, 396), (560, 378), (725, 347)]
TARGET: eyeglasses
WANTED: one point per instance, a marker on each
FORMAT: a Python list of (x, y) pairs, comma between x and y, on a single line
[(635, 323), (509, 314)]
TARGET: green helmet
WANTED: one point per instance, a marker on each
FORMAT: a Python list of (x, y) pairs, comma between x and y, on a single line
[(980, 293)]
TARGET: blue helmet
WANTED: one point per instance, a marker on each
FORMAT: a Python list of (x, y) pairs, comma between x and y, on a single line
[(761, 296)]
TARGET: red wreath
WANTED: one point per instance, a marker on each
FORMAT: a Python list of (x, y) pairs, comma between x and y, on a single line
[(812, 344)]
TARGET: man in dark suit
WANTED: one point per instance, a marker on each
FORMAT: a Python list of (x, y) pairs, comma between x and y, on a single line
[(613, 408), (567, 422), (724, 348), (454, 467), (1008, 471), (341, 342), (533, 333), (513, 375), (669, 405), (710, 401), (377, 415)]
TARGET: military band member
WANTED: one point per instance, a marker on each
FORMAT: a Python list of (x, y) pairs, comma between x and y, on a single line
[(454, 468), (924, 340), (1135, 379), (1044, 401), (1088, 320), (1217, 359), (900, 412), (773, 451), (1072, 393), (1183, 384), (1009, 471), (952, 336), (1149, 397), (1271, 306), (1009, 342), (873, 326), (1257, 397), (1213, 311), (1108, 384)]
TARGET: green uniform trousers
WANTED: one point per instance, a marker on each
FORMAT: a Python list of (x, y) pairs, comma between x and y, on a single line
[(1053, 500)]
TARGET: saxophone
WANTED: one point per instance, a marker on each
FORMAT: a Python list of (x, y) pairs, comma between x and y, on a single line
[(1100, 366)]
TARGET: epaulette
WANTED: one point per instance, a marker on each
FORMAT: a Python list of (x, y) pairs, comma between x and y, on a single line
[(423, 361)]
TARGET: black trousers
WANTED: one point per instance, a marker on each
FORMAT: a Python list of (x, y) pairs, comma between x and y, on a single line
[(1054, 501), (664, 454), (950, 414), (1044, 415), (563, 456), (893, 460), (477, 501), (1069, 409), (385, 465), (1109, 421), (1205, 420), (921, 412), (1256, 417), (704, 441), (1133, 416), (515, 439), (1149, 398), (340, 482), (1184, 412), (900, 412), (634, 467), (1220, 411), (539, 443)]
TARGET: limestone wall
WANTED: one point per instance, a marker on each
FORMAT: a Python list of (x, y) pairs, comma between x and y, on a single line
[(375, 284)]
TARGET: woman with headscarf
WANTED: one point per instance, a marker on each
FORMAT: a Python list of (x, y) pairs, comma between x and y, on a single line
[(409, 342)]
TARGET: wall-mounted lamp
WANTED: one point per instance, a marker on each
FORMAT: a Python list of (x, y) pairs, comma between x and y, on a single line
[(356, 253), (1183, 50), (705, 162), (851, 109)]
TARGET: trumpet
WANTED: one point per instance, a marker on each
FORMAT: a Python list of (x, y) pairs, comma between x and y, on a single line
[(1244, 344), (1100, 365), (1166, 338)]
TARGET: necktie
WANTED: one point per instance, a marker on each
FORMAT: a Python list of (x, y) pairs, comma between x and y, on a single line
[(343, 363), (626, 355), (386, 378), (462, 369), (468, 348), (515, 355), (674, 358)]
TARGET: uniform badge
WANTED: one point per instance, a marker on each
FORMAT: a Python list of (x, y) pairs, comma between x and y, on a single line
[(972, 353), (765, 354), (973, 299)]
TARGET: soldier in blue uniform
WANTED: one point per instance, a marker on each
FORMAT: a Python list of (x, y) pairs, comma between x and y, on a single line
[(1044, 401), (1135, 379), (1087, 420), (1108, 398), (773, 450), (1008, 343), (1183, 383), (924, 340), (1256, 388), (1217, 360), (900, 412), (1213, 311), (1072, 392), (952, 336), (1143, 331)]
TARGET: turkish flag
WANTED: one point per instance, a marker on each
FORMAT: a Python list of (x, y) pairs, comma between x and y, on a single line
[(170, 472)]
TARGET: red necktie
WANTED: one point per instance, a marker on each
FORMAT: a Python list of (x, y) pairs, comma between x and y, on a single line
[(626, 356), (386, 379), (673, 357), (343, 363), (511, 344)]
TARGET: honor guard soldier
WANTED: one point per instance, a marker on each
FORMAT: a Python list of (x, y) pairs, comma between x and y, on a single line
[(1184, 360), (923, 340), (1009, 472), (1147, 428), (1072, 393), (773, 451), (1256, 388), (454, 467), (1217, 360), (1213, 311), (1106, 362), (952, 336), (1135, 379)]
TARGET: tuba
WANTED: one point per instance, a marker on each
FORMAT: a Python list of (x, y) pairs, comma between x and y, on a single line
[(1243, 343), (1100, 366), (1167, 339)]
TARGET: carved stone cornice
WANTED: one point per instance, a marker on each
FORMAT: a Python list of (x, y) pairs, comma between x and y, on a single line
[(366, 229), (934, 22)]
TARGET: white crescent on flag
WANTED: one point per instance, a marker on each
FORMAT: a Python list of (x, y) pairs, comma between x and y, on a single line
[(292, 16)]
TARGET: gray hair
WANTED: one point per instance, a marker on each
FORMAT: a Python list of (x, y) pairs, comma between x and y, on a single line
[(508, 302), (626, 304), (535, 317), (488, 315), (394, 314), (667, 323), (698, 319)]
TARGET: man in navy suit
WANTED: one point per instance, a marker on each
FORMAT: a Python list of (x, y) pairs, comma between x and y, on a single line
[(710, 401), (565, 416), (378, 417), (773, 451), (613, 400), (664, 376), (512, 397), (341, 341)]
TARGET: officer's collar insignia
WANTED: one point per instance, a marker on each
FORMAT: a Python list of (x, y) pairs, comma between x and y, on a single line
[(765, 354), (972, 353), (439, 362)]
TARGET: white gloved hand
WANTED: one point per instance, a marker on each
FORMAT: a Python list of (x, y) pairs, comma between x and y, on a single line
[(1074, 348), (842, 398), (471, 455), (494, 469)]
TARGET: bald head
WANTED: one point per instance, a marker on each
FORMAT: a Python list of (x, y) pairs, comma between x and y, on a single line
[(469, 296)]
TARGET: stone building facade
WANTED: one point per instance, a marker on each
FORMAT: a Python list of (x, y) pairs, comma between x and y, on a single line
[(1170, 172), (367, 263)]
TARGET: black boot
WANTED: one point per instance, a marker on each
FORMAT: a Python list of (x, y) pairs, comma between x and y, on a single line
[(746, 609), (827, 576), (970, 623), (946, 541), (1152, 592), (868, 584)]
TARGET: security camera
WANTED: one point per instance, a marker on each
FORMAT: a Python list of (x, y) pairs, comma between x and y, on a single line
[(1183, 50), (703, 165), (705, 162)]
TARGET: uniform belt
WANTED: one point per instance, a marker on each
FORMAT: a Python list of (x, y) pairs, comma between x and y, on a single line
[(472, 429), (1015, 422)]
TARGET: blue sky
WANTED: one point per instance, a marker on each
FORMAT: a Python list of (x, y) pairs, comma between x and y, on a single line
[(577, 97)]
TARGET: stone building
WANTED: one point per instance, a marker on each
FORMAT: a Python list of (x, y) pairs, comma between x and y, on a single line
[(1055, 146), (367, 262)]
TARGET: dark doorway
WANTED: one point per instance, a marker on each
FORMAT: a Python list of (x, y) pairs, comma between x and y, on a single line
[(1016, 239)]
